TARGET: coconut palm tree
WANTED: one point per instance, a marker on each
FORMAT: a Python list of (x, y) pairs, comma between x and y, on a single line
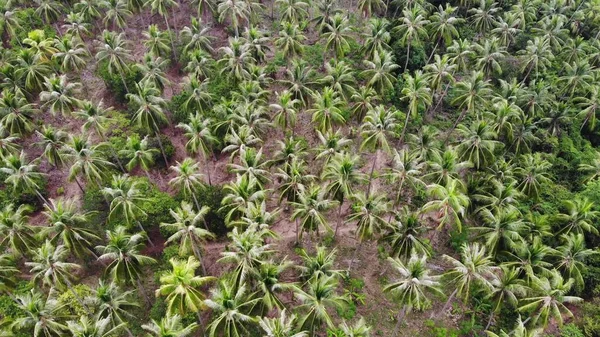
[(196, 37), (156, 41), (89, 327), (379, 125), (161, 7), (90, 9), (533, 171), (186, 230), (22, 175), (40, 314), (239, 194), (475, 269), (367, 7), (59, 95), (293, 11), (200, 137), (579, 217), (506, 292), (8, 143), (285, 110), (72, 54), (342, 174), (377, 38), (318, 265), (139, 153), (326, 110), (380, 70), (180, 287), (125, 196), (236, 59), (443, 25), (113, 50), (404, 235), (336, 34), (309, 211), (125, 262), (368, 211), (169, 326), (418, 94), (16, 233), (16, 113), (413, 286), (188, 179), (548, 299), (503, 229), (66, 223), (449, 202), (320, 296), (85, 160), (232, 306), (572, 256), (149, 113), (299, 76), (281, 326), (412, 27), (117, 14), (407, 167), (110, 302), (52, 141), (290, 40), (78, 26), (519, 331), (237, 11), (477, 143)]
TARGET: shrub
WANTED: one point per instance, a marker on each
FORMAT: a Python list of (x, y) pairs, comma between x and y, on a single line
[(70, 304), (314, 54), (179, 114), (167, 145), (571, 330), (211, 196), (114, 83), (590, 318)]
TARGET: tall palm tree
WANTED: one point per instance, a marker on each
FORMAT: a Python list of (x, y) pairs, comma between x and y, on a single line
[(413, 286), (377, 37), (124, 195), (149, 113), (380, 70), (140, 154), (113, 50), (232, 307), (368, 212), (579, 217), (52, 141), (379, 124), (290, 41), (201, 140), (16, 233), (169, 326), (16, 113), (40, 314), (85, 160), (418, 94), (319, 265), (125, 262), (8, 142), (72, 54), (337, 33), (22, 175), (187, 232), (572, 256), (117, 14), (156, 41), (59, 95), (404, 235), (532, 173), (188, 179), (89, 327), (342, 174), (161, 7), (180, 286), (66, 223), (237, 11), (319, 297), (443, 25), (110, 302), (507, 290), (471, 93), (503, 229), (475, 269), (310, 209), (449, 202), (412, 27), (236, 59), (281, 326), (327, 109), (477, 143)]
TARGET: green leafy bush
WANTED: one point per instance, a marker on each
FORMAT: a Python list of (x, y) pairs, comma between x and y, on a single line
[(571, 330), (114, 83), (71, 301), (211, 196)]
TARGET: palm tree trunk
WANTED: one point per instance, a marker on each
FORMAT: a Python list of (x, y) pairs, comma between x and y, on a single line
[(297, 232), (447, 303), (200, 323), (354, 255), (41, 197), (160, 144), (372, 171), (339, 219), (142, 291), (527, 75), (207, 170), (407, 56), (396, 201), (399, 320), (128, 331), (460, 117), (123, 80), (144, 231), (405, 127), (114, 153), (79, 184), (489, 321), (434, 49), (171, 38), (200, 259)]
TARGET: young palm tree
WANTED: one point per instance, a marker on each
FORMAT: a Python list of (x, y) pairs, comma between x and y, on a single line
[(418, 94), (326, 110), (337, 33), (380, 70), (412, 28), (156, 41), (66, 223), (150, 112), (161, 7), (549, 298), (379, 124), (59, 95), (404, 235), (320, 265), (342, 175), (474, 269), (198, 131), (188, 179), (187, 232), (87, 327), (310, 209), (140, 153), (22, 175), (110, 302), (85, 160), (113, 50), (17, 114), (16, 233), (450, 203), (319, 297), (290, 41), (169, 326), (125, 262), (281, 326), (232, 308), (40, 315), (412, 287), (180, 286)]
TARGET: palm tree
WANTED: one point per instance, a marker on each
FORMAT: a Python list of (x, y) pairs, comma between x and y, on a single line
[(236, 59), (404, 235), (251, 164), (110, 302), (16, 233), (320, 265), (477, 143), (503, 229), (443, 25), (407, 167), (572, 255), (8, 142), (59, 95), (380, 71), (33, 67), (412, 287), (78, 26), (156, 41), (49, 11), (471, 93), (449, 202), (475, 269), (548, 299), (507, 290), (533, 173), (150, 111), (72, 54), (188, 179), (200, 137), (52, 141), (342, 174), (187, 232), (337, 33), (85, 160), (239, 194), (379, 124), (16, 113), (363, 99), (125, 262), (298, 78), (320, 295), (412, 28), (537, 56), (125, 196), (161, 7), (117, 14), (281, 326), (204, 7), (180, 286), (368, 212), (367, 7), (113, 50), (377, 37), (310, 208), (153, 69), (139, 153), (40, 315), (519, 331), (87, 327), (66, 224), (417, 93), (22, 175), (292, 11), (169, 326), (232, 308), (236, 10), (580, 217), (286, 110), (196, 37), (326, 110), (484, 17), (90, 9), (290, 41)]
